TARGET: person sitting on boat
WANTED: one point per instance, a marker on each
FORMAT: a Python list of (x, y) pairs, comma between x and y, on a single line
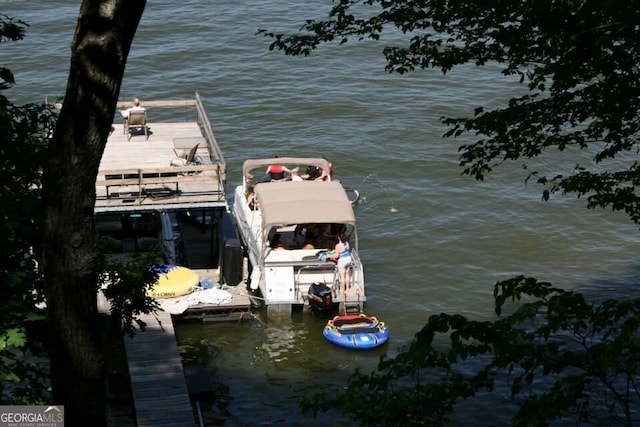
[(312, 173), (342, 256), (276, 171), (308, 244), (306, 232), (316, 173), (276, 242), (328, 176), (324, 175), (295, 176), (251, 198)]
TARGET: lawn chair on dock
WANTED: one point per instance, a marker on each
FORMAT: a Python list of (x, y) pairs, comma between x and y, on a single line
[(137, 119), (192, 158)]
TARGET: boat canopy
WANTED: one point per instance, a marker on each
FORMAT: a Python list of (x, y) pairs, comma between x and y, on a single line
[(303, 202), (251, 164)]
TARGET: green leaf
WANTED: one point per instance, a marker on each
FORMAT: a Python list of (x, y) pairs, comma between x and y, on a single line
[(13, 338)]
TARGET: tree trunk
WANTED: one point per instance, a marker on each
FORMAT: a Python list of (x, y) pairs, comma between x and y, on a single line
[(99, 51)]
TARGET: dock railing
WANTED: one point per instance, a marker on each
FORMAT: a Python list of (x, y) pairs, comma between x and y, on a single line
[(205, 126), (175, 175)]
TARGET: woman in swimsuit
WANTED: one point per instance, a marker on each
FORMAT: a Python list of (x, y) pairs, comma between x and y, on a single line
[(342, 254)]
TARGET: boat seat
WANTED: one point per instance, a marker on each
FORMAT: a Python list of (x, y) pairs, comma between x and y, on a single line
[(106, 227)]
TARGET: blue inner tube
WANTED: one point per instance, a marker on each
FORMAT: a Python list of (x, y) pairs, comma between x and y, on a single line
[(357, 331)]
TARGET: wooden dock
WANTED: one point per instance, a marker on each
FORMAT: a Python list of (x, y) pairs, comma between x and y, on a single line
[(158, 383), (140, 173), (178, 170)]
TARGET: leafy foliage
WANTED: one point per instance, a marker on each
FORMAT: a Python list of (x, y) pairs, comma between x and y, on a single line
[(559, 356), (10, 31), (24, 134), (578, 60), (23, 374), (125, 286)]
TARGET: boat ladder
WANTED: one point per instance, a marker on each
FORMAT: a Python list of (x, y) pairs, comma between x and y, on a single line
[(348, 306)]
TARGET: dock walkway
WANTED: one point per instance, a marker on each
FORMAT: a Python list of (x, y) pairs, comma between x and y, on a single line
[(157, 377)]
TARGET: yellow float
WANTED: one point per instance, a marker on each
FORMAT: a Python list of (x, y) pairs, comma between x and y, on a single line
[(173, 281)]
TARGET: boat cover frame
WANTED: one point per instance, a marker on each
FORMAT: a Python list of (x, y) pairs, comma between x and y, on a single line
[(250, 165)]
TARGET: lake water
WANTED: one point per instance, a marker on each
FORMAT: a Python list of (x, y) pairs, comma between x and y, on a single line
[(431, 240)]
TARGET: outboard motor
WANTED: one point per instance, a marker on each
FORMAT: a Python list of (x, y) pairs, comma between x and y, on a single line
[(320, 300)]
